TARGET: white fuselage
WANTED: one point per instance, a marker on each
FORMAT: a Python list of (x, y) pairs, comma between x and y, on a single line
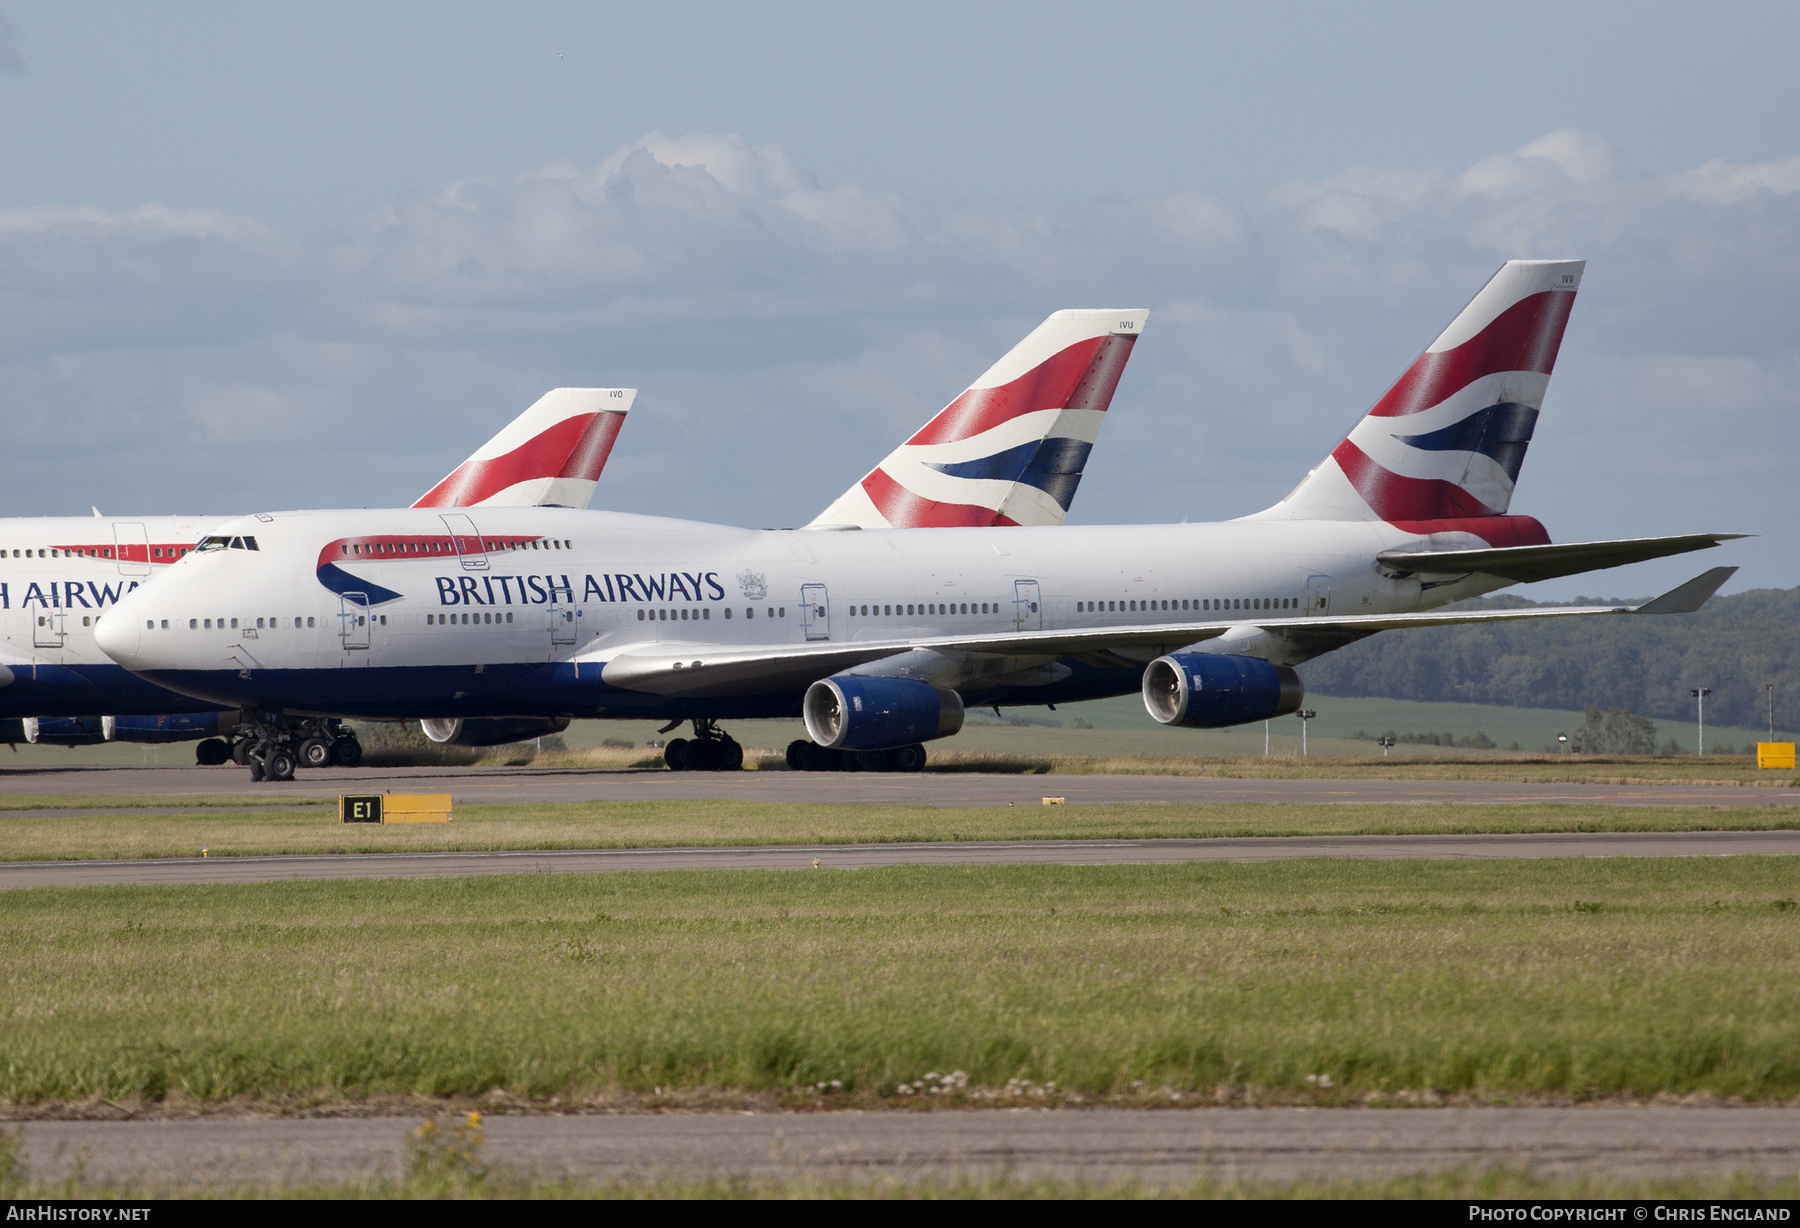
[(58, 575), (412, 613)]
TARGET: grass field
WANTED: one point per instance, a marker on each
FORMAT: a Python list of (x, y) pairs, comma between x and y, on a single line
[(225, 833), (1325, 982), (489, 1183)]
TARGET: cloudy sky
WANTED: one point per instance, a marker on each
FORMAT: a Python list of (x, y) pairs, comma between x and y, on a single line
[(260, 256)]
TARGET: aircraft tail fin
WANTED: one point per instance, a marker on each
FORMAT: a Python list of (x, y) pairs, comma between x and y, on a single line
[(1011, 449), (1446, 442), (549, 456)]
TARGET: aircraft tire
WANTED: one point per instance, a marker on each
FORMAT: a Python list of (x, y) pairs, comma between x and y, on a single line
[(703, 756), (675, 754), (315, 753), (279, 765), (731, 757), (240, 752), (347, 752), (799, 755), (212, 752), (908, 758), (256, 769)]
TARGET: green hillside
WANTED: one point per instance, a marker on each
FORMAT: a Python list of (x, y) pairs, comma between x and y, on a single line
[(1735, 646)]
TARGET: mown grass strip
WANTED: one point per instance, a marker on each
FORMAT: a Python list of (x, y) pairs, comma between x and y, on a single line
[(1307, 981), (1459, 1184), (650, 824)]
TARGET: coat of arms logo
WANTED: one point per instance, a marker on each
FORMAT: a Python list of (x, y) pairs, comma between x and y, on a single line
[(753, 584)]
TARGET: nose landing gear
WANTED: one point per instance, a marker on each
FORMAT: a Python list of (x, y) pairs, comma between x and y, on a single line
[(712, 750)]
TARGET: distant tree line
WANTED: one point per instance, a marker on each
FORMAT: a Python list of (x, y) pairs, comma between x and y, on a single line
[(1646, 665)]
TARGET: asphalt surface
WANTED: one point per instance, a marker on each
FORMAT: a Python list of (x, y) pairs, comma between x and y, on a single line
[(1158, 1147), (861, 856), (509, 785)]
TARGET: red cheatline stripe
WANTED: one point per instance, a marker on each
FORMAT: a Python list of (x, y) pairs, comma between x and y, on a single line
[(574, 447), (1049, 385), (433, 547), (905, 510), (1500, 532), (1394, 496), (1524, 337)]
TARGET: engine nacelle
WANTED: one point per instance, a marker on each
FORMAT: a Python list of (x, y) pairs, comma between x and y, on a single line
[(1205, 690), (492, 731), (63, 730), (849, 712), (185, 727)]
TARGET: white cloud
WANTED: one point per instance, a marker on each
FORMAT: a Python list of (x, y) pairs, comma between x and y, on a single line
[(786, 335)]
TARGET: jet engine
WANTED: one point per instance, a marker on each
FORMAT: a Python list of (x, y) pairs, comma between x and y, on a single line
[(492, 731), (180, 728), (1204, 690), (849, 712), (63, 730)]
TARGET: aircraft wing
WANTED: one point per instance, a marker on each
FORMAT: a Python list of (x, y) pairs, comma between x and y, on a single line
[(1526, 564), (697, 669)]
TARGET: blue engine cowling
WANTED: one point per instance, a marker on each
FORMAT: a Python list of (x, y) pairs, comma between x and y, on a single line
[(63, 730), (184, 727), (492, 731), (1204, 690), (847, 712)]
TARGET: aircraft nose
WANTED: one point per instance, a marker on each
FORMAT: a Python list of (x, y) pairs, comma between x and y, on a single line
[(119, 633)]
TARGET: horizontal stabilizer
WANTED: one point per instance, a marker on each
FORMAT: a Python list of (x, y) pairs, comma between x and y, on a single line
[(1526, 564), (1690, 596)]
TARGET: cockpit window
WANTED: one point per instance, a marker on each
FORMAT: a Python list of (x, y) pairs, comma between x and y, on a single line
[(211, 543)]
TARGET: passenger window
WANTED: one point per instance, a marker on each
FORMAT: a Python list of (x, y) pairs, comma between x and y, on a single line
[(640, 616), (309, 622), (165, 624), (728, 613)]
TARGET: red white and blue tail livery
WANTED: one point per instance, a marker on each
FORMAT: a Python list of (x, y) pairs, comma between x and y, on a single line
[(1011, 449), (1441, 450), (549, 456)]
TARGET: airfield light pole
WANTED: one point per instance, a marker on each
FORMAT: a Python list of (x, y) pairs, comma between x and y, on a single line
[(1384, 742), (1700, 694), (1265, 739), (1305, 715), (1563, 739), (1770, 688)]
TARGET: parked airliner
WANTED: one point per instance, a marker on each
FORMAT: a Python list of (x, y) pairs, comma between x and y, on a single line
[(518, 619), (59, 574)]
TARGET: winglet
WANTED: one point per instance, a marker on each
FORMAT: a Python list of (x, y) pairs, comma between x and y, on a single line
[(1690, 596)]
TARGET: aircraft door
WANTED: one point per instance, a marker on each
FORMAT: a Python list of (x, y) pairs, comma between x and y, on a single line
[(353, 619), (562, 626), (815, 611), (132, 547), (48, 630), (1318, 595), (469, 547), (1028, 606)]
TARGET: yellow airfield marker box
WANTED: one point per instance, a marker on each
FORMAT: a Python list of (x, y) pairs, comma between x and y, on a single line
[(1775, 755), (394, 808)]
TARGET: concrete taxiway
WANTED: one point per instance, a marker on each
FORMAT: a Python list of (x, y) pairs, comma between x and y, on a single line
[(524, 785), (862, 856), (1160, 1147)]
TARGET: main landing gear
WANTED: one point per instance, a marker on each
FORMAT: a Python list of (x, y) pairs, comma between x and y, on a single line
[(712, 749), (803, 756), (273, 748)]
